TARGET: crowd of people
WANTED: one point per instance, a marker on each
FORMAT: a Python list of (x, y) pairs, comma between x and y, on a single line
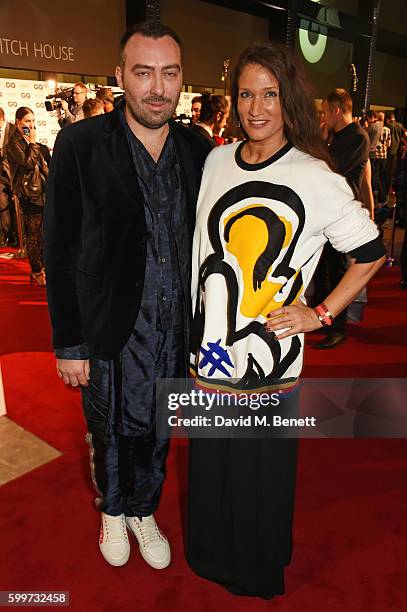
[(131, 224), (388, 157), (24, 164), (373, 160)]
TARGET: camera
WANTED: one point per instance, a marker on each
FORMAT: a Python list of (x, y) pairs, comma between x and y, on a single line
[(53, 101)]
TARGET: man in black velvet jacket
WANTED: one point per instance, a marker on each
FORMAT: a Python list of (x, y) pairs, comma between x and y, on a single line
[(119, 218)]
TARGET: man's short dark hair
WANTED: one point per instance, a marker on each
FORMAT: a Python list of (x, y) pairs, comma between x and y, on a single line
[(91, 106), (105, 93), (149, 30), (340, 98), (211, 105), (196, 99), (389, 116)]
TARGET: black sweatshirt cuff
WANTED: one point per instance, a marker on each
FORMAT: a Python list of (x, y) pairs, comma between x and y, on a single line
[(371, 251)]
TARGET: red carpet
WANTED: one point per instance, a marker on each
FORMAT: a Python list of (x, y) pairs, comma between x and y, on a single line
[(350, 527)]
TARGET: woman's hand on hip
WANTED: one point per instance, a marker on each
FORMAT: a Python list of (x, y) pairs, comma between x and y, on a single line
[(297, 318)]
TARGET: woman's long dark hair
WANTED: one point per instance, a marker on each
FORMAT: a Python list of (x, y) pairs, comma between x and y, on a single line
[(301, 124)]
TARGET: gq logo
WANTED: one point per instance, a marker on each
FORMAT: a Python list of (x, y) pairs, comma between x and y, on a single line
[(42, 123), (12, 104), (39, 105), (44, 141), (53, 132), (25, 94), (38, 86), (9, 84)]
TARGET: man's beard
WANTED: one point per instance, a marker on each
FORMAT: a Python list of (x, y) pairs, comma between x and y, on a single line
[(149, 118)]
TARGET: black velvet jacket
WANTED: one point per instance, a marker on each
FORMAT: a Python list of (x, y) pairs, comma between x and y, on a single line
[(95, 235)]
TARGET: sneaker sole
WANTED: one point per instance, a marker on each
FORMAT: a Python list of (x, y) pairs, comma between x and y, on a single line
[(117, 563), (154, 564)]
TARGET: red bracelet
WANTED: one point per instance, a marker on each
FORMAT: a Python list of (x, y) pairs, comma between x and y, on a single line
[(323, 314)]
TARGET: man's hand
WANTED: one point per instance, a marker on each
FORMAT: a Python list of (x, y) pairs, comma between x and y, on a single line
[(74, 372), (64, 105)]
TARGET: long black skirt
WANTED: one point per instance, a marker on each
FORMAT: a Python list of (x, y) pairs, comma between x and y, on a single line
[(240, 514)]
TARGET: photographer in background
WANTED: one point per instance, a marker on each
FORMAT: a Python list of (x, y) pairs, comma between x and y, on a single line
[(68, 115)]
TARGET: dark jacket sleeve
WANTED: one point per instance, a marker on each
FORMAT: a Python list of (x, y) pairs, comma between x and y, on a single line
[(45, 152), (62, 230), (20, 153), (73, 352)]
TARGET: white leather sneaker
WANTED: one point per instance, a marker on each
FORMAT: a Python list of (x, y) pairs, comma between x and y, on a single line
[(113, 541), (153, 544)]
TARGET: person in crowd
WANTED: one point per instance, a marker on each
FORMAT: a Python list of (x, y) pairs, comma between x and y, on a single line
[(92, 107), (106, 96), (373, 131), (6, 131), (363, 121), (5, 202), (220, 130), (349, 146), (29, 170), (349, 150), (401, 196), (380, 118), (7, 220), (397, 133), (266, 207), (196, 103), (119, 219), (214, 111), (67, 115), (380, 160)]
